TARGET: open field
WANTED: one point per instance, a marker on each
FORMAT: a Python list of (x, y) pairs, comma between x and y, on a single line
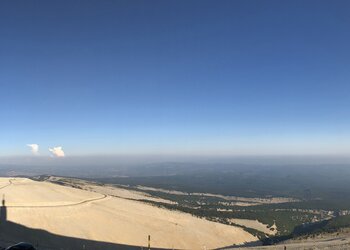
[(95, 215)]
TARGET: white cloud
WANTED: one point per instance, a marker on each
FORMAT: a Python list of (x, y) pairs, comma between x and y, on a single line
[(57, 151), (34, 148)]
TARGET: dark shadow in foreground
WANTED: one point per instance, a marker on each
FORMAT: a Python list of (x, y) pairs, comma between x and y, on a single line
[(248, 244), (11, 233)]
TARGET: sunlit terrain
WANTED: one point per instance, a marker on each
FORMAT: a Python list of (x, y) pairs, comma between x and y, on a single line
[(163, 125), (93, 215)]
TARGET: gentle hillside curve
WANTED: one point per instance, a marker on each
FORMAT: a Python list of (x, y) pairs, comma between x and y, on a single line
[(88, 215)]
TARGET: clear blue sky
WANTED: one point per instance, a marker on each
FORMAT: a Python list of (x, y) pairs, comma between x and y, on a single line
[(180, 77)]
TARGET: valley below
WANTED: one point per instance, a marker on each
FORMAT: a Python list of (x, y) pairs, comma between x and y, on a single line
[(176, 211)]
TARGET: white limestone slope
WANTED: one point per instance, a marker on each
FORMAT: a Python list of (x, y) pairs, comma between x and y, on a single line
[(91, 215)]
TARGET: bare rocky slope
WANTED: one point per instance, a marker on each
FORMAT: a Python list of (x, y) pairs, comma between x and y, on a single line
[(98, 216)]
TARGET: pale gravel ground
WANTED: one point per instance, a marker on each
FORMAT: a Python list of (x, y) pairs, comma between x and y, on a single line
[(336, 244), (330, 241), (111, 190), (111, 219)]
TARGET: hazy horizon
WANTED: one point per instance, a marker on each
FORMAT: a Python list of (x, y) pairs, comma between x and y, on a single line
[(139, 160), (194, 124)]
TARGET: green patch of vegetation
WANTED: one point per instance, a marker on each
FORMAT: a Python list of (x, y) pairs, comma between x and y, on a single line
[(320, 193), (337, 223)]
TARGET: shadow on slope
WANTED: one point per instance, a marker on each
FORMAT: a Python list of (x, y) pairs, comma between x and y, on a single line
[(11, 233), (310, 229)]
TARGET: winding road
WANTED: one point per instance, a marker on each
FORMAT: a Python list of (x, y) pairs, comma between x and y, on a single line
[(8, 184), (102, 197)]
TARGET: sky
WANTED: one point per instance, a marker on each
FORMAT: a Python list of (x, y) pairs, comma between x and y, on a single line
[(81, 78)]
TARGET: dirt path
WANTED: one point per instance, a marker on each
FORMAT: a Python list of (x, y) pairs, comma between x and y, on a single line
[(103, 196), (10, 183)]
